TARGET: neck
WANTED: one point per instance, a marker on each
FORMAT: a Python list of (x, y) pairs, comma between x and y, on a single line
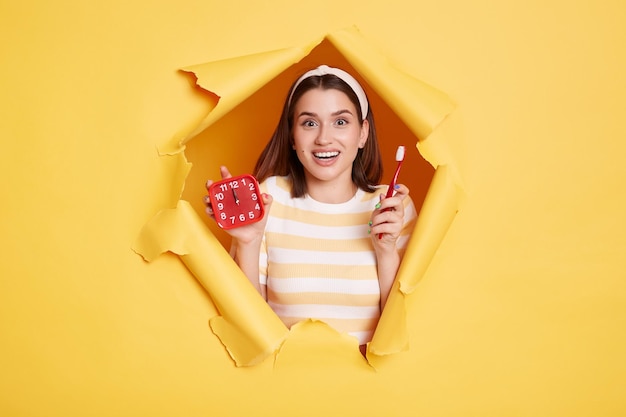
[(331, 192)]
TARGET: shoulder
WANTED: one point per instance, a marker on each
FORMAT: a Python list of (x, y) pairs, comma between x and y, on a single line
[(278, 187), (373, 195)]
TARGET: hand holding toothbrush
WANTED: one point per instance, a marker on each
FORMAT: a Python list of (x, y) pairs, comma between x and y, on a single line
[(387, 219)]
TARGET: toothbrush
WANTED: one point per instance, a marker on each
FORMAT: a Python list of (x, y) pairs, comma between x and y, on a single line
[(399, 158)]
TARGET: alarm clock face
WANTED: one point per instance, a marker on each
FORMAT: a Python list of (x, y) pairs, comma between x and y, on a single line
[(236, 201)]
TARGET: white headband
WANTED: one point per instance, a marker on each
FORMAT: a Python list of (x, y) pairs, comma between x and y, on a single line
[(344, 76)]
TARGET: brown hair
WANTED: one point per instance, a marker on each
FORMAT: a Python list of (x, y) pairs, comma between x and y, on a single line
[(278, 157)]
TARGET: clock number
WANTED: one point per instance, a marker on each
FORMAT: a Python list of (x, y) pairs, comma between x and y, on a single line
[(254, 196), (223, 216), (233, 184), (220, 206), (251, 214), (257, 207), (219, 196)]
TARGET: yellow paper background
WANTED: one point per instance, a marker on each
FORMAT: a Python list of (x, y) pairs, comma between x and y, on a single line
[(522, 311)]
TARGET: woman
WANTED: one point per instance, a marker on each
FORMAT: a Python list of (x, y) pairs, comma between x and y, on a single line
[(317, 252)]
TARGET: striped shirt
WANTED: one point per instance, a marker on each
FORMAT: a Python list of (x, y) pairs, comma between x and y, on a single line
[(317, 259)]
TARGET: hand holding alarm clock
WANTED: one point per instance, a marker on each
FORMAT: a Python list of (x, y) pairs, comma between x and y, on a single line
[(236, 201)]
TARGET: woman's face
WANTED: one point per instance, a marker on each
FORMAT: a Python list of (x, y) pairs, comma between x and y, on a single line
[(327, 135)]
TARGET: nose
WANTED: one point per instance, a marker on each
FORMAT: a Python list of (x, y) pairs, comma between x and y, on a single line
[(324, 136)]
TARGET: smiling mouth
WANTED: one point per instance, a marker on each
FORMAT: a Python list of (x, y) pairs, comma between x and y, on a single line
[(325, 155)]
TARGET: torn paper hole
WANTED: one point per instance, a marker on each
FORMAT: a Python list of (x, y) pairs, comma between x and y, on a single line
[(251, 90)]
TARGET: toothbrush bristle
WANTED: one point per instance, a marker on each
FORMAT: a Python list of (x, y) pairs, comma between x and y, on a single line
[(400, 154)]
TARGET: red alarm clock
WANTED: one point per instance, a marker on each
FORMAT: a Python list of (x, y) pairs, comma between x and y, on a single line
[(236, 201)]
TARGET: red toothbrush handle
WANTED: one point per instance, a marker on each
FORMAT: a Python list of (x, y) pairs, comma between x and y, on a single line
[(391, 189)]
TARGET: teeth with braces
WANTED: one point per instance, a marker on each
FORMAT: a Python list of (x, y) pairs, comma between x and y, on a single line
[(326, 154)]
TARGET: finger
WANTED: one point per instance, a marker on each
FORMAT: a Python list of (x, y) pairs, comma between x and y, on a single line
[(401, 190), (267, 200), (379, 205), (387, 222), (395, 203), (386, 217), (386, 204), (225, 173), (385, 230), (208, 207)]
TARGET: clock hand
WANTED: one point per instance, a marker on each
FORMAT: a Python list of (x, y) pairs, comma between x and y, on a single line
[(236, 197)]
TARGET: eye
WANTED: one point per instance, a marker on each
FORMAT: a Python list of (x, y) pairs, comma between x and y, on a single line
[(341, 122), (309, 123)]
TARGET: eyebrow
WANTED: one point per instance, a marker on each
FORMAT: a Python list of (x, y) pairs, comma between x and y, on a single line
[(337, 113)]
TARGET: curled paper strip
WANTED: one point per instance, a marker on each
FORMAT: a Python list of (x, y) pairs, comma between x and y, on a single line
[(247, 326), (436, 216)]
